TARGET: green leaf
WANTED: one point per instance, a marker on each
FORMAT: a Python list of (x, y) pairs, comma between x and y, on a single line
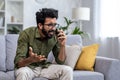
[(76, 29), (66, 20), (14, 30)]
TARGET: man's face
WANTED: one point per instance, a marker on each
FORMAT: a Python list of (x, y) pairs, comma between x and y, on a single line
[(49, 27)]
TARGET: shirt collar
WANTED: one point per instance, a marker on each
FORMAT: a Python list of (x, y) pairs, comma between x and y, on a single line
[(37, 34)]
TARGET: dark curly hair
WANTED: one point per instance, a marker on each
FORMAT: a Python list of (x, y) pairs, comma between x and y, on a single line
[(46, 13)]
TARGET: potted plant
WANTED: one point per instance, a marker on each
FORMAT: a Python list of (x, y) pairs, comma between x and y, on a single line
[(14, 30), (75, 31)]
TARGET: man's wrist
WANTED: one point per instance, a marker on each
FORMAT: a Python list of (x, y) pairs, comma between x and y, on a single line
[(62, 45), (29, 60)]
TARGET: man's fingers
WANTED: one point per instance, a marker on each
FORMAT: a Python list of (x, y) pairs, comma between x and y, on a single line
[(62, 38), (35, 55), (41, 56), (43, 59), (30, 51)]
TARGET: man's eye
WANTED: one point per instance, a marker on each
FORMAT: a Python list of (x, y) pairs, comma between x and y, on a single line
[(52, 24)]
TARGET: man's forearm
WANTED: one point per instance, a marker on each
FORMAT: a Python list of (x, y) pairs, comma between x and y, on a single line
[(24, 62), (62, 54)]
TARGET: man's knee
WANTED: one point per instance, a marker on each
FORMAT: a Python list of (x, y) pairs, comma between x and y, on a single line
[(67, 73), (67, 70), (22, 71)]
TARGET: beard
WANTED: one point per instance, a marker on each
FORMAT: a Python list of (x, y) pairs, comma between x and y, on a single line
[(48, 34)]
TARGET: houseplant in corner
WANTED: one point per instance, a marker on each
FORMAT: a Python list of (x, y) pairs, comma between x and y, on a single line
[(75, 31), (14, 30), (68, 23)]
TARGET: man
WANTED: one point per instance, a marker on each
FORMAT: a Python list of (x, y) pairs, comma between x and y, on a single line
[(34, 45)]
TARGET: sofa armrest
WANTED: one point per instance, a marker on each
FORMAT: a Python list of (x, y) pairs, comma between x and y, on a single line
[(109, 67)]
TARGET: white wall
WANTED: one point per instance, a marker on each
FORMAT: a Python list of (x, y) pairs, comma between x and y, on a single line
[(88, 26), (64, 7)]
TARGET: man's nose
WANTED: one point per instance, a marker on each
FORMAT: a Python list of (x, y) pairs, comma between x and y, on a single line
[(53, 28)]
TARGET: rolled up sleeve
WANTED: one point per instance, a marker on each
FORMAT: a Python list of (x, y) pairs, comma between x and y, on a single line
[(56, 51), (22, 48)]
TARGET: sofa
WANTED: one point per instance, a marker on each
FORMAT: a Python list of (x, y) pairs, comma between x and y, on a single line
[(104, 68)]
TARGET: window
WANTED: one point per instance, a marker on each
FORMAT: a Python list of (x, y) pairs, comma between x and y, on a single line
[(110, 18)]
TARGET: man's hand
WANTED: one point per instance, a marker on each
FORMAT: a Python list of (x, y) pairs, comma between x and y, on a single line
[(31, 59), (61, 37), (34, 57), (62, 40)]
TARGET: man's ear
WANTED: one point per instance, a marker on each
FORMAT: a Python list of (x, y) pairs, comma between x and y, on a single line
[(40, 26)]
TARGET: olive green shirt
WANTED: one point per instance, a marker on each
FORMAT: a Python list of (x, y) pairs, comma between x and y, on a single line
[(31, 38)]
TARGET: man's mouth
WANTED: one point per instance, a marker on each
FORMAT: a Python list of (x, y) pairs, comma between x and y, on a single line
[(51, 33)]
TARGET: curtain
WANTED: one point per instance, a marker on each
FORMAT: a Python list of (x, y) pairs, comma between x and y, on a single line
[(107, 24)]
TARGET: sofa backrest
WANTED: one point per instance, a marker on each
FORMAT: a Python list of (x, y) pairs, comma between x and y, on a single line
[(11, 45), (71, 40), (74, 40), (2, 53)]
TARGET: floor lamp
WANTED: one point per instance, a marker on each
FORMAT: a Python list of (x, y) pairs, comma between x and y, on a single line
[(81, 13)]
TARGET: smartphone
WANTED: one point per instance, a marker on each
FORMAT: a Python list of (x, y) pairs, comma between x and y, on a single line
[(56, 32)]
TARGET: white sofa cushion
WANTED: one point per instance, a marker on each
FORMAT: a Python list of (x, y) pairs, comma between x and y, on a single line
[(72, 55)]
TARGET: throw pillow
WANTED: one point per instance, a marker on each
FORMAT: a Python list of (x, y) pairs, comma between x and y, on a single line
[(87, 58), (72, 55)]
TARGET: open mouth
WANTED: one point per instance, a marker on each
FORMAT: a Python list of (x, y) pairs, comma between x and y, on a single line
[(51, 33)]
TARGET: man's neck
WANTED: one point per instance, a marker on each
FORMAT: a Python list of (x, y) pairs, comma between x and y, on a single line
[(41, 34)]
